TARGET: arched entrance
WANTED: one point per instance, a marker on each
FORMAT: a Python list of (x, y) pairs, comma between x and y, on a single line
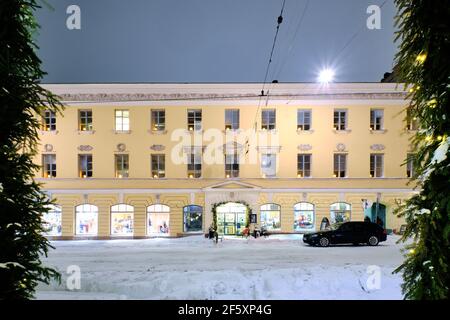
[(231, 218)]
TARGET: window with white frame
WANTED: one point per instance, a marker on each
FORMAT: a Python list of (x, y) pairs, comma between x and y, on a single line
[(52, 222), (340, 120), (86, 220), (304, 120), (85, 169), (158, 120), (232, 165), (158, 216), (122, 219), (268, 119), (303, 216), (268, 165), (85, 120), (410, 165), (340, 165), (122, 165), (303, 165), (48, 165), (158, 165), (411, 121), (122, 120), (376, 119), (194, 166), (231, 119), (194, 118), (49, 120), (376, 165)]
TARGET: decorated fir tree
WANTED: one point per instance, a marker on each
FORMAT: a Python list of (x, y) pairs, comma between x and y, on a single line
[(21, 201), (423, 64)]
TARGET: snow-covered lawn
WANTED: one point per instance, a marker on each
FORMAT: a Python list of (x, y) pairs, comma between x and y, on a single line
[(278, 267)]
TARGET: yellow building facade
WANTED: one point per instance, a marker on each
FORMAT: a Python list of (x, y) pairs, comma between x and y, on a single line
[(144, 160)]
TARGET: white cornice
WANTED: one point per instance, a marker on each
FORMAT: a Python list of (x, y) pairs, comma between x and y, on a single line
[(210, 92)]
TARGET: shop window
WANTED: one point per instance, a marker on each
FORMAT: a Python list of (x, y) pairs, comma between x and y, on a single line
[(158, 216), (122, 219), (52, 221), (192, 218), (340, 212), (86, 220), (271, 216), (304, 216)]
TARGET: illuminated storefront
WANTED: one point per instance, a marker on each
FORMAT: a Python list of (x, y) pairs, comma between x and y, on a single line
[(271, 217), (158, 216), (303, 216), (122, 220)]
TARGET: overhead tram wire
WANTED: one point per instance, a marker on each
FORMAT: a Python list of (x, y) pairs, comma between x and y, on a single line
[(354, 36), (291, 46), (279, 21), (349, 41)]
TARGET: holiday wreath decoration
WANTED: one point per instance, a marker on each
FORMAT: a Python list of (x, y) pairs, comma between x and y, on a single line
[(218, 204)]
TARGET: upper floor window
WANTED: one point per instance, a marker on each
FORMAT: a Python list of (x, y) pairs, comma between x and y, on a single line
[(303, 165), (268, 119), (194, 167), (158, 165), (232, 165), (122, 120), (376, 165), (340, 165), (85, 120), (122, 165), (268, 165), (231, 119), (410, 165), (340, 120), (303, 119), (85, 165), (194, 120), (411, 121), (158, 120), (49, 121), (376, 119), (48, 166)]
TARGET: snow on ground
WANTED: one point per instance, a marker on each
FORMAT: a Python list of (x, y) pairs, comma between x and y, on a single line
[(278, 267)]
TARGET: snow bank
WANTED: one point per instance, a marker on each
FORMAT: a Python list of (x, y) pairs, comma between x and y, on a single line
[(278, 267)]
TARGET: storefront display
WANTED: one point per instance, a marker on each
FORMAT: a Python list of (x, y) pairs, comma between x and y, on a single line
[(52, 221), (86, 221), (304, 216), (192, 218), (271, 217), (158, 219), (340, 212)]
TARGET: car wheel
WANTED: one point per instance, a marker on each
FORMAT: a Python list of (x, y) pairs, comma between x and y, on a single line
[(324, 242), (373, 241)]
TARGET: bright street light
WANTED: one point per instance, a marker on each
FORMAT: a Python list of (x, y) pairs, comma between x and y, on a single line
[(326, 76)]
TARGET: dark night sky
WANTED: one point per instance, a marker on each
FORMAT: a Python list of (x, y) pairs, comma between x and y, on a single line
[(213, 41)]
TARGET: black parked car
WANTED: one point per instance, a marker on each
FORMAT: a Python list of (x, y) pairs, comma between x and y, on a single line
[(348, 232)]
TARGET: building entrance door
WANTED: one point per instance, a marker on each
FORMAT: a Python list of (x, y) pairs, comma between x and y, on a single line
[(231, 218)]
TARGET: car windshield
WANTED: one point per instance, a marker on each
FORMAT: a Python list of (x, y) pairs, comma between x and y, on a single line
[(334, 226)]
